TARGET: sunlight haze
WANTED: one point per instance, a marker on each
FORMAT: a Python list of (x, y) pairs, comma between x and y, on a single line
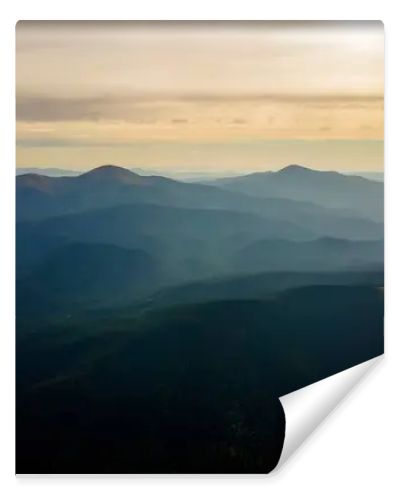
[(212, 96)]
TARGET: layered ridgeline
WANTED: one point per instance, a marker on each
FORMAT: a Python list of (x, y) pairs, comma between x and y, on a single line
[(41, 196), (329, 189), (71, 229), (158, 321)]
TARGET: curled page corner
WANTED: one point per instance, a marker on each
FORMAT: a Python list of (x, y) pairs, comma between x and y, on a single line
[(306, 408)]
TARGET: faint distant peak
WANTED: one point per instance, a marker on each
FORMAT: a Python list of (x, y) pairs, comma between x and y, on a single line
[(47, 171)]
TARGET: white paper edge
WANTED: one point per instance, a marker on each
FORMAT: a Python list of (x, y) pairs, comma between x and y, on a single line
[(306, 408)]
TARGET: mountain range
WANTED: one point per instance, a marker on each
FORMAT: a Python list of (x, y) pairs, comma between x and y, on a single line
[(110, 215), (158, 321), (41, 196), (110, 235), (183, 175)]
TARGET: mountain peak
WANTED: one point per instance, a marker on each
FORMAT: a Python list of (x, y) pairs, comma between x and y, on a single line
[(290, 169), (111, 172)]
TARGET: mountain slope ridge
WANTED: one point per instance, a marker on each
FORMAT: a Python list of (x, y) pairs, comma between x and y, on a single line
[(40, 197), (327, 188)]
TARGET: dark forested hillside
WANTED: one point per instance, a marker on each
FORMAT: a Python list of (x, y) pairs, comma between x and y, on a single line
[(186, 389)]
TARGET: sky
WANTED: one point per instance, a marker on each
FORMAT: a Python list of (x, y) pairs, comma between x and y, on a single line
[(200, 96)]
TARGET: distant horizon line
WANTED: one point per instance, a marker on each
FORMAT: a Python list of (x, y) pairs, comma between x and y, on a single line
[(189, 176), (206, 170)]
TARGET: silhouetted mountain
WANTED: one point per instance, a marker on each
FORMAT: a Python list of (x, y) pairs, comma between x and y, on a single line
[(186, 389), (39, 197), (107, 186), (329, 189), (111, 173)]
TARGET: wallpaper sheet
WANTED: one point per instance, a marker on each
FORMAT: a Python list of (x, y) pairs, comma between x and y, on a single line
[(199, 239)]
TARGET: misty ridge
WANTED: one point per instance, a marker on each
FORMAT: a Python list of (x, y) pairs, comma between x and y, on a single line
[(144, 232), (159, 320)]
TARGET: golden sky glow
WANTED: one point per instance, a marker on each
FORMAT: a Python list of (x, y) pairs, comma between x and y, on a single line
[(209, 96)]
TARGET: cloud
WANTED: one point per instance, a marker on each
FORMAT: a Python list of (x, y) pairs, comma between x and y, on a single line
[(153, 108), (50, 109), (179, 120), (72, 143)]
